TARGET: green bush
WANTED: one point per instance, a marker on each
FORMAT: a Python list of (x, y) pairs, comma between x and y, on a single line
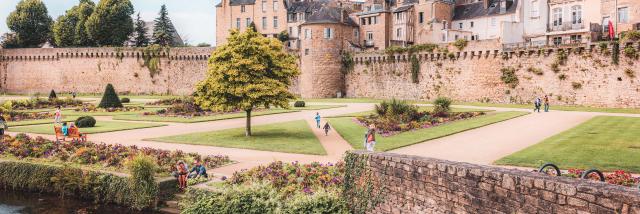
[(319, 202), (142, 169), (460, 44), (415, 69), (110, 98), (299, 104), (256, 198), (509, 77), (52, 95), (442, 106), (630, 52), (125, 100), (85, 122)]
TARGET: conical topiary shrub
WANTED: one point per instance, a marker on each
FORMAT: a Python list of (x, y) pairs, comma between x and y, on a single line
[(52, 95), (110, 98)]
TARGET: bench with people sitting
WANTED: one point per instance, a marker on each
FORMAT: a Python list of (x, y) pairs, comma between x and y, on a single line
[(73, 132)]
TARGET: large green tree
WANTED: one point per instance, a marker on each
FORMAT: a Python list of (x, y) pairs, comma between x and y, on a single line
[(69, 30), (163, 29), (111, 23), (140, 31), (64, 30), (247, 72), (31, 23)]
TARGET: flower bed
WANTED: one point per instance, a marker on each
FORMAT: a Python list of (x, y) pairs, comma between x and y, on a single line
[(15, 116), (171, 101), (101, 155), (618, 177), (276, 188), (37, 103), (93, 108)]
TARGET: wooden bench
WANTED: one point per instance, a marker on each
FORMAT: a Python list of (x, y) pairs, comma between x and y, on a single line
[(73, 133)]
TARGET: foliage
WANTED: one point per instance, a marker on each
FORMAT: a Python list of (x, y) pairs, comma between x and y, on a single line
[(562, 77), (39, 103), (299, 104), (631, 36), (110, 98), (451, 56), (171, 101), (125, 100), (111, 24), (142, 170), (163, 29), (555, 67), (251, 199), (140, 32), (615, 53), (576, 85), (347, 62), (203, 44), (151, 57), (69, 30), (509, 77), (621, 177), (536, 71), (102, 155), (31, 23), (52, 95), (391, 50), (561, 57), (415, 69), (92, 108), (395, 108), (9, 40), (196, 181), (360, 187), (630, 52), (629, 72), (85, 122), (320, 202), (246, 72), (283, 36), (460, 44), (442, 106)]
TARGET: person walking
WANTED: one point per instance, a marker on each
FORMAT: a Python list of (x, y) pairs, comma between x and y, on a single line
[(317, 119), (326, 129), (3, 126), (546, 103), (536, 104), (58, 116), (371, 138)]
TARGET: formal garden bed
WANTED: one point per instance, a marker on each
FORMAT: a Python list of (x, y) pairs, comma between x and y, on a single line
[(100, 127), (276, 188)]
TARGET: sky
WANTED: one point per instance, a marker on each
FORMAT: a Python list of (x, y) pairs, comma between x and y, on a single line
[(195, 20)]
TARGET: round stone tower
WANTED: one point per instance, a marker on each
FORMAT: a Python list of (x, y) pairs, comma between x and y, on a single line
[(323, 37)]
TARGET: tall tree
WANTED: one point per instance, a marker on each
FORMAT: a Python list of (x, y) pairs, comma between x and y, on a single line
[(140, 32), (247, 72), (9, 40), (69, 29), (111, 23), (163, 29), (31, 23)]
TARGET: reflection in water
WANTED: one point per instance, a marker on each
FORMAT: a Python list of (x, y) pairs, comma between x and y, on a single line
[(16, 202)]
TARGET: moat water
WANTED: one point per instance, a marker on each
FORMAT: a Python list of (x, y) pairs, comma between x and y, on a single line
[(16, 202)]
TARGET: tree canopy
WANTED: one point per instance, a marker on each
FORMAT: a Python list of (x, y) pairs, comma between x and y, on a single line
[(163, 29), (31, 23), (69, 30), (140, 31), (247, 72), (111, 23)]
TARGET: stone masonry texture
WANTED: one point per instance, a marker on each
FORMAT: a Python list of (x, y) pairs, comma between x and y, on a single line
[(425, 185)]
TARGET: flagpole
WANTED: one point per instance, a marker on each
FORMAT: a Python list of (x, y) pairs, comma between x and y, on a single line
[(615, 11)]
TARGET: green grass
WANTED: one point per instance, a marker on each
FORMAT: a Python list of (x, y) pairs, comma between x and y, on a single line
[(101, 126), (354, 133), (42, 121), (421, 108), (80, 113), (156, 118), (557, 107), (604, 142), (289, 137)]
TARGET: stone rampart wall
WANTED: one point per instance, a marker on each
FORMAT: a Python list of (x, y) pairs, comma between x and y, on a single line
[(588, 76), (411, 184), (90, 69)]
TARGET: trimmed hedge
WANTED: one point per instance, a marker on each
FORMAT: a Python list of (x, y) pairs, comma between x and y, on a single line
[(85, 122), (299, 104), (100, 187), (125, 100), (110, 98), (52, 95)]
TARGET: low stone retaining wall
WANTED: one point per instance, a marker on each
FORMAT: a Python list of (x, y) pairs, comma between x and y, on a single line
[(411, 184)]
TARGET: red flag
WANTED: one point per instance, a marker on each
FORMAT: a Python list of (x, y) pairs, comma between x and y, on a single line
[(611, 33)]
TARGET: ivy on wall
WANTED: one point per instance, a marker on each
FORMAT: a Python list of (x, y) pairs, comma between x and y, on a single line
[(415, 69), (362, 190), (347, 62), (151, 57), (509, 77)]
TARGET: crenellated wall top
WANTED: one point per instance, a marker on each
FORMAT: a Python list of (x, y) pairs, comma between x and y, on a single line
[(176, 53)]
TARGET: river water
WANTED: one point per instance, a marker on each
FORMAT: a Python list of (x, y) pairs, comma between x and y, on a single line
[(16, 202)]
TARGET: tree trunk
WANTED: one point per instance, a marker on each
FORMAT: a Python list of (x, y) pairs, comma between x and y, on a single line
[(248, 126)]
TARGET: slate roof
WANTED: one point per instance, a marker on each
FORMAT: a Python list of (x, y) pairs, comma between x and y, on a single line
[(476, 10), (402, 8), (305, 6), (330, 15)]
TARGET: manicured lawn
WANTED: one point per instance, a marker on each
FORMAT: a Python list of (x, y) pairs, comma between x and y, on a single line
[(421, 108), (560, 108), (354, 133), (156, 118), (290, 137), (80, 113), (36, 122), (101, 126), (605, 143)]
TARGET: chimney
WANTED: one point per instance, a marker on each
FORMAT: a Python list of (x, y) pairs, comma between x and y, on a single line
[(486, 3)]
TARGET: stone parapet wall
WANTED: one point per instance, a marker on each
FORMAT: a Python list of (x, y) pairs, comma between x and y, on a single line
[(411, 184), (474, 75), (90, 69)]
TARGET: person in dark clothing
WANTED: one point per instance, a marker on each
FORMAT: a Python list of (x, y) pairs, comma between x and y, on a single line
[(537, 103), (199, 170), (326, 128), (3, 125)]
